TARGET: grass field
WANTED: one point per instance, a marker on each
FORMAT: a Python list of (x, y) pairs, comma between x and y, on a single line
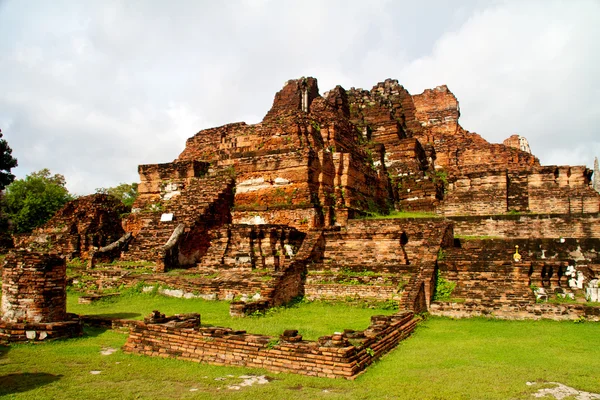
[(444, 359), (312, 319)]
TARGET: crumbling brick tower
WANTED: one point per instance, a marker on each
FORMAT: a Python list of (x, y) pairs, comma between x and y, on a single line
[(34, 300), (33, 288)]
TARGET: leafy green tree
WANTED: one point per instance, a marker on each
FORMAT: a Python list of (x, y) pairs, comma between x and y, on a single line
[(30, 202), (7, 162), (125, 192)]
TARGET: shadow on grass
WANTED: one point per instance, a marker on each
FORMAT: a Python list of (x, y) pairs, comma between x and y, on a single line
[(123, 315), (3, 350), (95, 325), (22, 382)]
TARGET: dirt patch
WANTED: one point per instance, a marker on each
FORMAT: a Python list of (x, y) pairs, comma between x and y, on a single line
[(560, 391)]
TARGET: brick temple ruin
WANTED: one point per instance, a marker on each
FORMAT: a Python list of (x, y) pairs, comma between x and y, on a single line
[(270, 211)]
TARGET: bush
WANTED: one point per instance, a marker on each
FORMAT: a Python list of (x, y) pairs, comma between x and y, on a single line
[(443, 289)]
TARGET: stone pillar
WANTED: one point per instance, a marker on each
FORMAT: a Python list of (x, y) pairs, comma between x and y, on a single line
[(34, 288), (596, 176)]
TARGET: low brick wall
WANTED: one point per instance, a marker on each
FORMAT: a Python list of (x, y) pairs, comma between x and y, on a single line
[(331, 356), (557, 312)]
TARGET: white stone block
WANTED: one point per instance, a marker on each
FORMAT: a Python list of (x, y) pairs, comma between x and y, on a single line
[(289, 250), (166, 217)]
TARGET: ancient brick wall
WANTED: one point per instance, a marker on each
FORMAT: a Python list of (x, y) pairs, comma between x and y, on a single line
[(477, 194), (529, 226), (548, 189), (248, 247), (381, 241), (379, 259), (33, 287), (224, 286), (299, 218), (531, 249), (331, 356), (371, 290), (489, 281), (562, 190)]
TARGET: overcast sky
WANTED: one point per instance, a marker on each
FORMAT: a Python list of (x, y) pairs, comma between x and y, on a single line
[(91, 89)]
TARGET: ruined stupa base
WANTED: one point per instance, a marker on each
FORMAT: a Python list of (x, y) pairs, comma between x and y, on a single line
[(40, 332), (34, 300)]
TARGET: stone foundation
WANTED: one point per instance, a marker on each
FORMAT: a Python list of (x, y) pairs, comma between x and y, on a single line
[(557, 312), (31, 332)]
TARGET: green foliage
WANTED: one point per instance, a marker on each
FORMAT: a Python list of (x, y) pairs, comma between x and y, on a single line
[(154, 207), (402, 214), (127, 264), (443, 289), (477, 237), (7, 162), (126, 192), (32, 201), (316, 126), (348, 272), (440, 176), (75, 262), (441, 255), (388, 305), (370, 352), (230, 171), (562, 299)]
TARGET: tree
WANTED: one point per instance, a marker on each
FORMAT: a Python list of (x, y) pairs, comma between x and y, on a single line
[(30, 202), (125, 192), (7, 162)]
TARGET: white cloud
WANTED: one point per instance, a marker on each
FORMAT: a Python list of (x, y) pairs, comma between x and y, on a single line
[(526, 68), (93, 89)]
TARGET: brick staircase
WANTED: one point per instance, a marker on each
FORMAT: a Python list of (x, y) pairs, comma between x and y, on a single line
[(194, 205)]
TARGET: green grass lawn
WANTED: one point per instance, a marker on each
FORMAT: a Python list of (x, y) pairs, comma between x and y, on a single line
[(403, 214), (444, 359), (311, 319)]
